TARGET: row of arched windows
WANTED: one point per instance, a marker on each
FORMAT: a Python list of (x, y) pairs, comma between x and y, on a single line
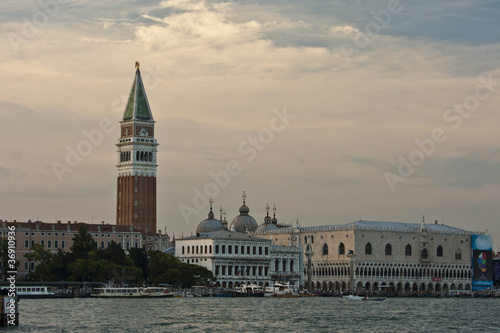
[(124, 156), (142, 156), (408, 251), (388, 251), (311, 237), (386, 271), (198, 249), (284, 265)]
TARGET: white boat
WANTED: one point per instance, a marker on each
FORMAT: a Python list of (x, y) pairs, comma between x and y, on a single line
[(35, 292), (249, 290), (284, 290), (354, 297), (117, 292)]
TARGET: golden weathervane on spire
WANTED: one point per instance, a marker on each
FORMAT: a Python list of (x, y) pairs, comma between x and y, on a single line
[(137, 64)]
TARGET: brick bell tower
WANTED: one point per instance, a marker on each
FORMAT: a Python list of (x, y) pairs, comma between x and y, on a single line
[(137, 148)]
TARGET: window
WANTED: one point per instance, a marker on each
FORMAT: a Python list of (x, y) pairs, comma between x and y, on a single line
[(102, 245), (266, 251), (223, 249), (248, 249), (216, 249), (236, 249), (230, 250), (254, 251), (242, 249), (458, 255), (325, 249), (26, 243), (188, 249), (183, 250), (63, 244), (408, 250), (56, 244), (260, 250), (210, 247), (42, 242), (229, 270), (223, 270), (388, 250), (206, 249), (276, 265), (291, 265), (305, 239), (26, 265), (197, 249), (341, 249), (368, 248), (439, 251), (312, 239), (424, 254), (217, 269), (284, 265)]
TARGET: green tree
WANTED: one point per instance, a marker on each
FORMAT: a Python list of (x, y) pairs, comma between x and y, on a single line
[(50, 267), (165, 268), (83, 243), (115, 253), (140, 258)]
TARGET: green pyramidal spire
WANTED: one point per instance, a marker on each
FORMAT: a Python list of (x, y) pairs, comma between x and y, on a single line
[(137, 106)]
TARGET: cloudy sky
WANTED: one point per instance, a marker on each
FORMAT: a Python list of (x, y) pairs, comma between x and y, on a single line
[(332, 110)]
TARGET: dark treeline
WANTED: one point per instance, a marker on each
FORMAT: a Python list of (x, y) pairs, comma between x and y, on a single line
[(86, 263)]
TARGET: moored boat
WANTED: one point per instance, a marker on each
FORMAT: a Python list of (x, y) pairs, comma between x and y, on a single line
[(35, 292), (130, 292), (282, 290), (248, 290)]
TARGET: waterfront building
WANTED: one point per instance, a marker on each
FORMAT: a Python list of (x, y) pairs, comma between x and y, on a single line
[(59, 236), (385, 256), (240, 257), (137, 148)]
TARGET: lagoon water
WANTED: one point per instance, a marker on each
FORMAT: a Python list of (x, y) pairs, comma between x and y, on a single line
[(308, 314)]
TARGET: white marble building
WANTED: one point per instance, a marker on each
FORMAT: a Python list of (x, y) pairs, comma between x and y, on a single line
[(396, 257)]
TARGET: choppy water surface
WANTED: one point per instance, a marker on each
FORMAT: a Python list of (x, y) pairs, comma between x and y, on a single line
[(318, 314)]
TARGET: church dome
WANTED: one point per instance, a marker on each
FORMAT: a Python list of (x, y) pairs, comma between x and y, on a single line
[(210, 224), (244, 222), (265, 227), (269, 223)]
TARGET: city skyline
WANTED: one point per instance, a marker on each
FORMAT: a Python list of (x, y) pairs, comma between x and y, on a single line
[(332, 111)]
